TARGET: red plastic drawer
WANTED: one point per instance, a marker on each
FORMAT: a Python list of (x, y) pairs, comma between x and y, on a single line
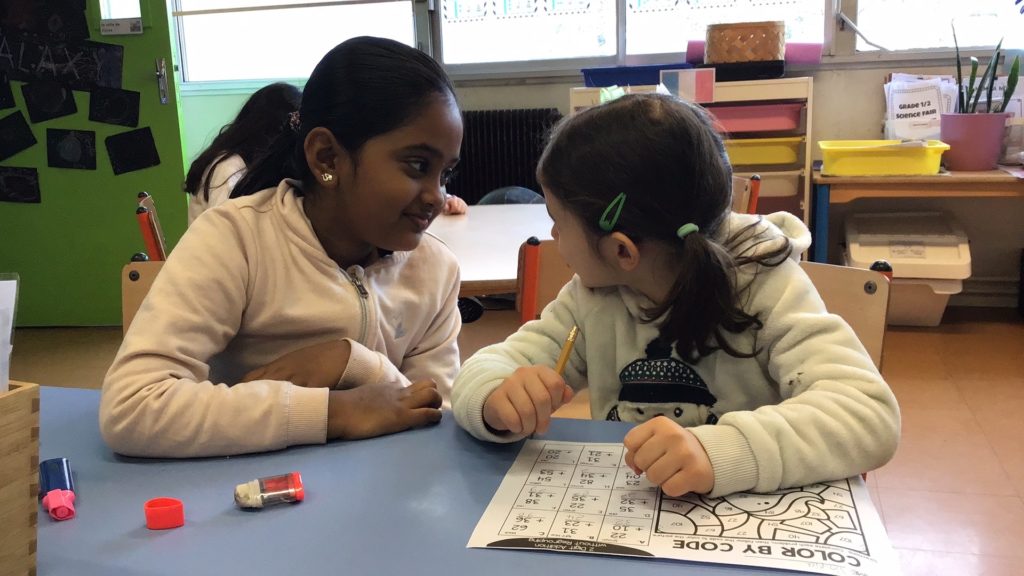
[(758, 118)]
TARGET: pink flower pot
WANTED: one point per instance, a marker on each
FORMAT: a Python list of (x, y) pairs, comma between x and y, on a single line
[(975, 140)]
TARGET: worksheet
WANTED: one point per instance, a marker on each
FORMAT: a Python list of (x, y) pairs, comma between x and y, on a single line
[(582, 497)]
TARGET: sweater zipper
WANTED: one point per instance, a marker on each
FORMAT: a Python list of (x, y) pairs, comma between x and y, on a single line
[(363, 302)]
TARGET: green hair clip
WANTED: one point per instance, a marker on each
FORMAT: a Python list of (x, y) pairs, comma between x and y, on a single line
[(608, 223), (686, 229)]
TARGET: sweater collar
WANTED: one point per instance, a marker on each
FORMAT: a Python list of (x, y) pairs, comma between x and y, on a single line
[(288, 202)]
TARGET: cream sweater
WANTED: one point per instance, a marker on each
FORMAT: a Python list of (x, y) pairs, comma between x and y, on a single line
[(810, 407), (248, 283), (222, 181)]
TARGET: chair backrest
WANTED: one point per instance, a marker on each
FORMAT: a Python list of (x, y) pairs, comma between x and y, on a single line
[(136, 278), (859, 296), (542, 273), (745, 192)]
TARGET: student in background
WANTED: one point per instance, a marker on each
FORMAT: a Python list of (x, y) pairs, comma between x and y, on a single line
[(694, 322), (453, 204), (217, 169), (313, 306)]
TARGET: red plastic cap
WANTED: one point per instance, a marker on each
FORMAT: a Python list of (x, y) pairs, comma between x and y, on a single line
[(60, 504), (296, 482), (164, 513)]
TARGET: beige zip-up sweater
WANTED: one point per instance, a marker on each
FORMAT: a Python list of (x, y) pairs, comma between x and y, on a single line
[(809, 407), (248, 283), (222, 182)]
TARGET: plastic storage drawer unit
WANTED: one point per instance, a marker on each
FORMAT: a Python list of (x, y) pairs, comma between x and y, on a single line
[(881, 157), (929, 254), (757, 118), (761, 151)]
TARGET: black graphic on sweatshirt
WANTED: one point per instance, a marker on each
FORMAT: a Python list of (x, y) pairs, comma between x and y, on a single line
[(660, 385)]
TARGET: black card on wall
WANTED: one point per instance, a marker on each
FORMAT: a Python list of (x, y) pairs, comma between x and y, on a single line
[(15, 135), (114, 106), (49, 19), (6, 96), (19, 185), (71, 149), (132, 150), (46, 100)]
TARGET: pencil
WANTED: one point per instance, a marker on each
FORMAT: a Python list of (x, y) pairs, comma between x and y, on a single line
[(563, 358)]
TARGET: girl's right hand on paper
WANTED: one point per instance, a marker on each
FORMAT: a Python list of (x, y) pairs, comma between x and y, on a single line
[(379, 409), (524, 402)]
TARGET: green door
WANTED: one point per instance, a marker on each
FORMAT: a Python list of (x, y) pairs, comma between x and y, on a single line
[(69, 248)]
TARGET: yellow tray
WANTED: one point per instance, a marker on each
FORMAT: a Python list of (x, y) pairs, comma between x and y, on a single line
[(881, 157), (756, 151)]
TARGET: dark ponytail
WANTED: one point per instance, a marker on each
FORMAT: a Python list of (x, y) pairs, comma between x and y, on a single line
[(666, 157), (362, 88), (263, 117)]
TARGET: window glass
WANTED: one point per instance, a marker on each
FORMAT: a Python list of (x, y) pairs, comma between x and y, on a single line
[(279, 43), (480, 31)]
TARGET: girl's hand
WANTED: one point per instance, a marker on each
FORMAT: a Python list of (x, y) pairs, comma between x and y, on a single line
[(671, 455), (317, 366), (455, 205), (378, 409), (523, 403)]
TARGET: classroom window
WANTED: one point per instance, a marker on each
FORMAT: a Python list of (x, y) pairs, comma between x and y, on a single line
[(913, 24), (663, 26), (481, 31), (265, 39)]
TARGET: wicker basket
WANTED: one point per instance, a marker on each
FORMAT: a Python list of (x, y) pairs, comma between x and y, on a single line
[(19, 479), (745, 42)]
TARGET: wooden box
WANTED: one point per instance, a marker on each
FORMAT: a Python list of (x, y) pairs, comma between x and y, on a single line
[(19, 478)]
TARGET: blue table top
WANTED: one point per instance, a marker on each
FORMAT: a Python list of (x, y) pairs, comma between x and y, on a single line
[(400, 504)]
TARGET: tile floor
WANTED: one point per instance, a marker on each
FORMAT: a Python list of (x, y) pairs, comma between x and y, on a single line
[(953, 497)]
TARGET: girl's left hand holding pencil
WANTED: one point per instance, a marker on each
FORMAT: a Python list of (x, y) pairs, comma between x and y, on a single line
[(524, 402), (671, 456)]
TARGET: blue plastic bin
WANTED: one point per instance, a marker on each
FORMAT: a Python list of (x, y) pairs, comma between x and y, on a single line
[(628, 75)]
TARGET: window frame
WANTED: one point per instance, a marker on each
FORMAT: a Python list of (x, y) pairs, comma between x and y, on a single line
[(838, 52)]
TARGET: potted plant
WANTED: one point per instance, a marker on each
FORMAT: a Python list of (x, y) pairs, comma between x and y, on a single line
[(975, 136)]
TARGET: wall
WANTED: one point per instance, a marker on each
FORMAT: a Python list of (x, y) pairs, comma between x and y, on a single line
[(848, 104), (70, 248)]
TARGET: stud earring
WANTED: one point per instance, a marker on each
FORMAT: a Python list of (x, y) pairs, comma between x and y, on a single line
[(327, 177)]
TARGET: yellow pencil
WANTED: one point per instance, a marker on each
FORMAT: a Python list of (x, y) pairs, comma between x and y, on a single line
[(563, 358)]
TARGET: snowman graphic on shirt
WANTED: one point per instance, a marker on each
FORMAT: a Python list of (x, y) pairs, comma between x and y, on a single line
[(660, 385)]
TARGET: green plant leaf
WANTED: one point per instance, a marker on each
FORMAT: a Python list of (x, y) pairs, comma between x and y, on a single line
[(990, 71), (1011, 82), (992, 77), (974, 76), (961, 104)]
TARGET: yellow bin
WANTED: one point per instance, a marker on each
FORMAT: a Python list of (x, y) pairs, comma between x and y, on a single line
[(881, 157), (756, 151)]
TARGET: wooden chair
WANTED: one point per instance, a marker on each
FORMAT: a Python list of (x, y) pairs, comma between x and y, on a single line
[(542, 273), (136, 278), (745, 192), (861, 297)]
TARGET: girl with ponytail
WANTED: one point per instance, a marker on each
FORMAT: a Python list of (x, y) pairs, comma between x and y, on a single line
[(312, 306), (262, 119), (694, 322)]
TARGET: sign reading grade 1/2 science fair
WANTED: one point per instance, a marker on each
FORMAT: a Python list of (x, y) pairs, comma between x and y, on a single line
[(579, 497)]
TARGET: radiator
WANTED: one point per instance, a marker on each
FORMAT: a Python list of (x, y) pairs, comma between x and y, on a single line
[(500, 148)]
